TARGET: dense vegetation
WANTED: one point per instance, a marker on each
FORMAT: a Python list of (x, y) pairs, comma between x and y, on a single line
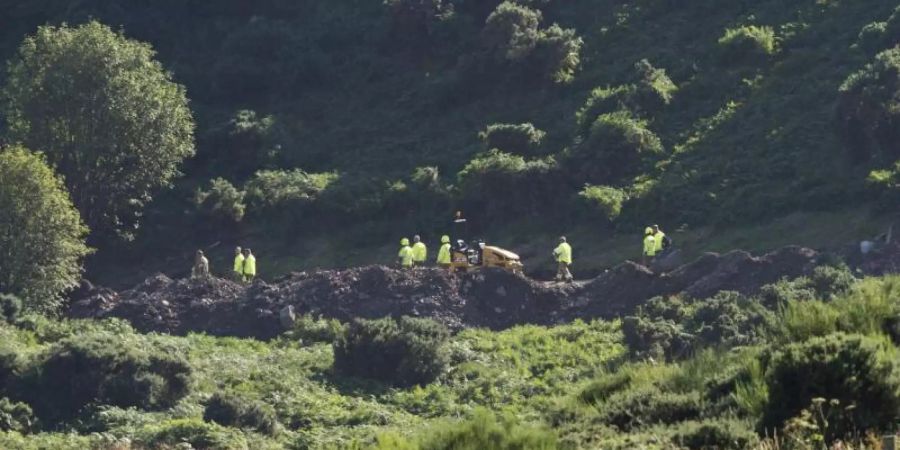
[(725, 372)]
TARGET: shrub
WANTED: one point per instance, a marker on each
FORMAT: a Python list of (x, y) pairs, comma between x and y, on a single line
[(43, 242), (829, 282), (521, 139), (853, 369), (309, 329), (222, 201), (717, 434), (654, 89), (244, 143), (511, 31), (872, 36), (10, 306), (784, 291), (603, 101), (801, 320), (483, 431), (195, 432), (648, 405), (608, 200), (15, 416), (618, 146), (283, 189), (514, 183), (868, 111), (557, 54), (748, 41), (233, 411), (606, 385), (403, 352), (100, 368)]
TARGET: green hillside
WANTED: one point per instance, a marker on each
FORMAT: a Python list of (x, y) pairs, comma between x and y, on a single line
[(703, 114)]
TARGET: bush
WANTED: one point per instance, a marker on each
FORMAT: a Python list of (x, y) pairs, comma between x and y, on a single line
[(635, 408), (603, 101), (853, 369), (43, 242), (483, 431), (557, 54), (607, 200), (748, 41), (617, 147), (233, 411), (15, 416), (522, 139), (309, 329), (195, 432), (829, 282), (654, 89), (285, 189), (716, 434), (403, 352), (872, 36), (868, 111), (243, 144), (10, 306), (516, 184), (511, 31), (100, 368), (222, 202)]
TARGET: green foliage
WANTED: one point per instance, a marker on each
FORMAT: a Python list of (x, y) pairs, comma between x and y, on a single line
[(871, 37), (748, 42), (721, 434), (519, 139), (15, 416), (233, 411), (93, 100), (512, 181), (10, 306), (195, 432), (635, 408), (558, 53), (608, 200), (603, 101), (222, 202), (404, 352), (853, 369), (654, 89), (309, 329), (247, 141), (751, 393), (43, 242), (285, 189), (618, 146), (101, 368), (868, 109)]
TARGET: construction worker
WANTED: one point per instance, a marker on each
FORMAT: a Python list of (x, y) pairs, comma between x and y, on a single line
[(649, 245), (238, 270), (563, 254), (420, 251), (249, 266), (661, 240), (443, 257), (201, 266), (405, 257)]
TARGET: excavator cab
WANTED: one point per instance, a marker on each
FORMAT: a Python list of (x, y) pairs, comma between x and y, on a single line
[(468, 257)]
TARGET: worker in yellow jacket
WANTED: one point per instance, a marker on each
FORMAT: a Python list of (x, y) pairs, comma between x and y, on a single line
[(649, 245), (420, 251), (249, 266), (238, 269), (405, 256), (563, 254), (443, 256), (659, 239)]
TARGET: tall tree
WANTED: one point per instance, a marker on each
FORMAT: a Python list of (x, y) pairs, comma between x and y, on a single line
[(41, 234), (106, 114)]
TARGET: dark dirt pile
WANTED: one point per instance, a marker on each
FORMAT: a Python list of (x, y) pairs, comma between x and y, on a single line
[(487, 298)]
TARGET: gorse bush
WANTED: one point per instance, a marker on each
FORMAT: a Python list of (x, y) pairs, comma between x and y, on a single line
[(309, 329), (483, 431), (519, 139), (716, 434), (868, 109), (10, 306), (648, 405), (604, 101), (514, 182), (558, 53), (234, 411), (283, 189), (403, 352), (618, 146), (15, 416), (605, 199), (856, 370), (654, 88), (222, 202), (100, 368), (748, 41), (195, 432)]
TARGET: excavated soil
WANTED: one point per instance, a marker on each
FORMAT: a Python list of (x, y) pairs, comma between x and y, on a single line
[(488, 298)]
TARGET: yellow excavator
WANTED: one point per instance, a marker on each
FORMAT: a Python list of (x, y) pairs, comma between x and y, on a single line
[(464, 257)]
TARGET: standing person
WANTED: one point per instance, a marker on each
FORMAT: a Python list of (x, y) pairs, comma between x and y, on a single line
[(201, 266), (443, 256), (649, 246), (661, 240), (238, 270), (420, 251), (405, 256), (563, 254), (249, 266)]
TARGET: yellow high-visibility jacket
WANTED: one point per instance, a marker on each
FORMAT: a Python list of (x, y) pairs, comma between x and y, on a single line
[(420, 252), (250, 265), (658, 238), (406, 256), (649, 245), (563, 253), (443, 256), (239, 263)]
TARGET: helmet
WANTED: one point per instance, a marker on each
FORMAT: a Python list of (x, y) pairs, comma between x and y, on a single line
[(648, 230), (445, 239), (404, 241)]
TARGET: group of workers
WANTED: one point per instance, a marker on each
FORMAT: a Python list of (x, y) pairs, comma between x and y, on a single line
[(416, 255), (243, 271)]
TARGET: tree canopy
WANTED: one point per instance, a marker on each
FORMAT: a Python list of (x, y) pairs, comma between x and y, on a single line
[(105, 113)]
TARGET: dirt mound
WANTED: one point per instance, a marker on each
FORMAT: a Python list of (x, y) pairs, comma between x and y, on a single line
[(488, 298)]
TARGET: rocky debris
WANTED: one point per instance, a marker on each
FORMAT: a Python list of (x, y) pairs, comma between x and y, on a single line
[(486, 298)]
